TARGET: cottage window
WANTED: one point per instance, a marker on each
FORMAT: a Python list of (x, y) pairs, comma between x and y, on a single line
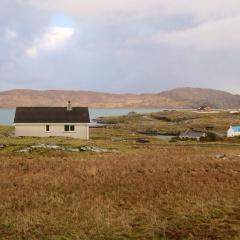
[(66, 128), (47, 128), (69, 128)]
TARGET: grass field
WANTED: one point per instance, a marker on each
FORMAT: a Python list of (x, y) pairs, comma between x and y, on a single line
[(157, 190), (175, 121)]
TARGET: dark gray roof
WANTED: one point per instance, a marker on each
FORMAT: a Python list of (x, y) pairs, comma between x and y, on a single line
[(191, 134), (51, 115)]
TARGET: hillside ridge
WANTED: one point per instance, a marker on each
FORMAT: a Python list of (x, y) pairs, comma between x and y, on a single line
[(186, 97)]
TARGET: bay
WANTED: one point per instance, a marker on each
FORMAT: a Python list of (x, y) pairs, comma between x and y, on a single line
[(7, 115)]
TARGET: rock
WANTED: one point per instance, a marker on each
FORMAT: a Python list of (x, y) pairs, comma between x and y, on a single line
[(45, 146), (39, 146), (2, 146), (6, 134), (221, 156), (99, 120), (142, 140), (117, 139), (54, 147), (72, 150), (95, 149), (25, 150), (64, 148), (132, 114)]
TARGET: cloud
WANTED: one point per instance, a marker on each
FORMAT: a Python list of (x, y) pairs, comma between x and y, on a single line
[(52, 39), (94, 7), (119, 45), (211, 35), (202, 9), (10, 34)]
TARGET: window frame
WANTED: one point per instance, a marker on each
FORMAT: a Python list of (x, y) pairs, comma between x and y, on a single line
[(47, 128), (72, 127), (69, 128), (66, 128)]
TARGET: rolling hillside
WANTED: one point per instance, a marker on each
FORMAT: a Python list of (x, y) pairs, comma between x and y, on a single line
[(176, 98)]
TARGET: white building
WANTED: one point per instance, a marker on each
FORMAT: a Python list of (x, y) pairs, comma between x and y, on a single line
[(52, 121), (233, 131)]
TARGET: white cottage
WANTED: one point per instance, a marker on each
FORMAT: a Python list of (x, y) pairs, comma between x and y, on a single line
[(192, 134), (52, 121), (233, 131)]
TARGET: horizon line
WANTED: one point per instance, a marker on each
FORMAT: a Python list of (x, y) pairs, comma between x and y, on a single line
[(117, 93)]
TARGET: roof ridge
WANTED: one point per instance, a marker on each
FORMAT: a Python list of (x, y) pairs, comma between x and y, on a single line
[(51, 115)]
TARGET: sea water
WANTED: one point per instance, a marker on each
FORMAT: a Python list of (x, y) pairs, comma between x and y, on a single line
[(7, 115)]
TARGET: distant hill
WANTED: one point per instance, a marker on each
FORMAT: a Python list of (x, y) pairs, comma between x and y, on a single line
[(194, 97), (176, 98)]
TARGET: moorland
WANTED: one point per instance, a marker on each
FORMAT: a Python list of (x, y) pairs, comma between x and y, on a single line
[(142, 187)]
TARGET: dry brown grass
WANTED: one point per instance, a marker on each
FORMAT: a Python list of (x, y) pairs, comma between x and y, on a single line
[(153, 192)]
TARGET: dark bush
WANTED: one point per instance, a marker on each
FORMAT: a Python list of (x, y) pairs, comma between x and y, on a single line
[(210, 137)]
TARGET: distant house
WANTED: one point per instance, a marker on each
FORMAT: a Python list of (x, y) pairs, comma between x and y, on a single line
[(234, 111), (192, 134), (52, 121), (233, 131), (204, 108)]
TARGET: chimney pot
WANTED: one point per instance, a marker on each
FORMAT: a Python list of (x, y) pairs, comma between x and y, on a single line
[(69, 106)]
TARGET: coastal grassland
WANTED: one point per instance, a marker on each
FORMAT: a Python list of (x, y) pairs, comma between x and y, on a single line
[(176, 121), (163, 192), (153, 191)]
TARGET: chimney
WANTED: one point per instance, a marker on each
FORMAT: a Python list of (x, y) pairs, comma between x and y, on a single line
[(69, 106)]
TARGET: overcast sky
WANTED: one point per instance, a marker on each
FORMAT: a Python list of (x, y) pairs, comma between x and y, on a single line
[(120, 45)]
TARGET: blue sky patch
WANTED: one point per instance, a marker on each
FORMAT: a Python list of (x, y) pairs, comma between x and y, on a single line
[(61, 20)]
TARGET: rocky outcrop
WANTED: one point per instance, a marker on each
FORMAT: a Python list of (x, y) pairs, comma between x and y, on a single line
[(64, 148)]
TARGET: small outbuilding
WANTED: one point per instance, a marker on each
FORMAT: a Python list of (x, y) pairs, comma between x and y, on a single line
[(233, 131), (52, 122)]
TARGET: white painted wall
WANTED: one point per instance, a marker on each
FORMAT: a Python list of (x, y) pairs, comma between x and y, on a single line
[(231, 133), (56, 130)]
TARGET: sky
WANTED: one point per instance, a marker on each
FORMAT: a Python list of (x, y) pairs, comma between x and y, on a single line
[(120, 46)]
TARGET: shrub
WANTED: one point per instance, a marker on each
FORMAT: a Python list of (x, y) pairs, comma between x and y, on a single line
[(210, 137)]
